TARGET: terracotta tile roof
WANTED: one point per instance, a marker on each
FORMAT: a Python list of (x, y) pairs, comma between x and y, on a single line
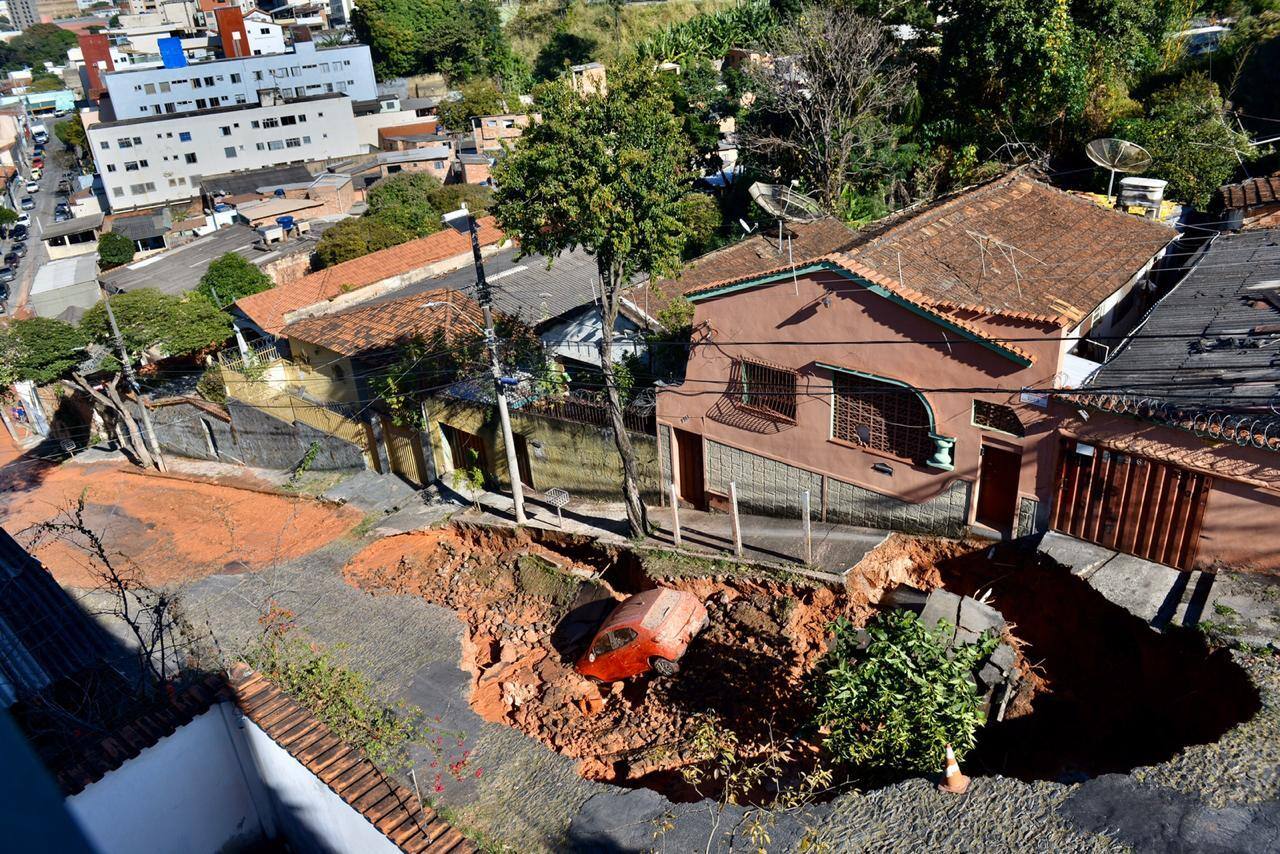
[(1251, 193), (749, 256), (377, 326), (388, 805), (268, 308), (1015, 247)]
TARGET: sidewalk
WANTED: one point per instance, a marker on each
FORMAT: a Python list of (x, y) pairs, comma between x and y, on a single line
[(765, 539)]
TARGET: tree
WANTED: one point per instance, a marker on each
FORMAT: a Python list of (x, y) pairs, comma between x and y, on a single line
[(8, 216), (167, 325), (356, 237), (462, 38), (43, 81), (1191, 144), (607, 173), (480, 98), (163, 325), (38, 44), (43, 349), (230, 277), (900, 701), (831, 119), (114, 249), (71, 132), (414, 201)]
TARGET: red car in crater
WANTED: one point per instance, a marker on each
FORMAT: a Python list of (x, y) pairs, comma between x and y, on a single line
[(650, 630)]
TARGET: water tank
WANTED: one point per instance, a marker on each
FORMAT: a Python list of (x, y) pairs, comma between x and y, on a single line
[(1142, 192), (285, 222)]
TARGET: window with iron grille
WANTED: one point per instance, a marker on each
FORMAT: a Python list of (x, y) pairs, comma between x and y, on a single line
[(765, 389), (882, 417), (997, 416)]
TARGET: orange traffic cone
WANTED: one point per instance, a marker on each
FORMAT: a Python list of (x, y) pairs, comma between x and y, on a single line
[(952, 780)]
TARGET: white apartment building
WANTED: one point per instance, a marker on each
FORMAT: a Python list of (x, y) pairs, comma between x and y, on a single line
[(265, 35), (306, 71), (160, 159)]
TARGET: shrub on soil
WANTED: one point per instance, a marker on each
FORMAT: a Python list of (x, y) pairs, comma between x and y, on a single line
[(539, 577), (898, 702)]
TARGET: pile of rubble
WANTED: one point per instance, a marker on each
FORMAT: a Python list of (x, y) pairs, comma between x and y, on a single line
[(529, 608)]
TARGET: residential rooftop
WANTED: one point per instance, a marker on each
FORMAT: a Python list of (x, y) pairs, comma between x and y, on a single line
[(208, 62), (255, 180), (377, 326), (1213, 342), (268, 308), (1264, 190)]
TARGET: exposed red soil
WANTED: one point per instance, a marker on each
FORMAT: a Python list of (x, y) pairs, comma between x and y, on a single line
[(746, 668), (170, 529)]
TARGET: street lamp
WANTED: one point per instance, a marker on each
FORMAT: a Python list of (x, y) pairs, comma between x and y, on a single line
[(463, 222)]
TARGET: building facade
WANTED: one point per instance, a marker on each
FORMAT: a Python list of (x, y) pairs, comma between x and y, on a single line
[(155, 161), (304, 72)]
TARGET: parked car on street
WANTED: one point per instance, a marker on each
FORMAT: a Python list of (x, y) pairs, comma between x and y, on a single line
[(19, 248), (61, 216), (27, 203), (21, 228), (11, 259), (4, 293), (647, 631), (7, 274), (37, 174), (33, 186), (37, 162)]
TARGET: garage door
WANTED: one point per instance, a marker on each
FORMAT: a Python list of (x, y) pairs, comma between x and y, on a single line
[(1129, 503)]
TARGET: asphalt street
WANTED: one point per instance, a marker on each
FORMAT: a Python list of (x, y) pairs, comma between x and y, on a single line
[(57, 161)]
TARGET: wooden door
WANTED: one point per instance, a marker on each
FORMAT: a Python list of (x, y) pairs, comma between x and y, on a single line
[(404, 452), (1129, 503), (522, 459), (688, 457), (466, 449), (998, 487)]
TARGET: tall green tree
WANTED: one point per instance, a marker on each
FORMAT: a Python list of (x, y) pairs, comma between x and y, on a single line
[(115, 249), (36, 45), (40, 349), (1192, 146), (356, 237), (480, 98), (71, 132), (606, 173), (231, 276)]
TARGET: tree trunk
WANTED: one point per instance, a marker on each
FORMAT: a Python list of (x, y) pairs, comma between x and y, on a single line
[(112, 402), (610, 302)]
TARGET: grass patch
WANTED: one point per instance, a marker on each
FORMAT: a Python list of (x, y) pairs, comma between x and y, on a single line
[(537, 576), (484, 842), (367, 524), (1224, 610), (664, 563)]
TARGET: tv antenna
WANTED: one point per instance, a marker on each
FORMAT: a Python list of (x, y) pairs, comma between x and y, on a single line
[(1117, 155)]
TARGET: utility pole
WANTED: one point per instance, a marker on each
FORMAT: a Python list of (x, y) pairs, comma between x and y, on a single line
[(485, 298), (143, 399)]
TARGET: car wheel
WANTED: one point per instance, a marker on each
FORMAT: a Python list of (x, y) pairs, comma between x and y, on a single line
[(664, 667)]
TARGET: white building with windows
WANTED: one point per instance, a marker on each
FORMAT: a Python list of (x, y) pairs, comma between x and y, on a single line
[(156, 160), (265, 35), (304, 72)]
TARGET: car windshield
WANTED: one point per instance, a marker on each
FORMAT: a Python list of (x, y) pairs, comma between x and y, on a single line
[(609, 641)]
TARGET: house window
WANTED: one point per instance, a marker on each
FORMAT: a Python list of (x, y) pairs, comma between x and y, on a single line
[(226, 130), (229, 152), (235, 78), (998, 417), (190, 157), (165, 87), (184, 136), (131, 166), (126, 143), (104, 145), (293, 142), (288, 120), (881, 416), (111, 167), (271, 123), (764, 388), (201, 103), (149, 88), (275, 144)]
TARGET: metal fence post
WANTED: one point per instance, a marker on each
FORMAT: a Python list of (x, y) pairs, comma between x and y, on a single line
[(675, 514), (808, 531), (733, 517)]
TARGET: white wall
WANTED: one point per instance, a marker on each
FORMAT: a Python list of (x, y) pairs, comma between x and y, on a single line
[(165, 157), (309, 813), (185, 795), (226, 82)]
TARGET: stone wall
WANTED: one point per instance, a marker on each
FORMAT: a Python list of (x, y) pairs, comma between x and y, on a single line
[(771, 488), (1033, 517), (579, 458), (241, 433)]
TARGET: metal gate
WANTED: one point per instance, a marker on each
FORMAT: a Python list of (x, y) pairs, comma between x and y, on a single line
[(1128, 503), (404, 452)]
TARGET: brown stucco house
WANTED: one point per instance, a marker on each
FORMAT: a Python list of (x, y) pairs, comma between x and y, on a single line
[(898, 374)]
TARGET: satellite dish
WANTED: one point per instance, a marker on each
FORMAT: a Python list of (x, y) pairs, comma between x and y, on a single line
[(785, 203), (1117, 155)]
